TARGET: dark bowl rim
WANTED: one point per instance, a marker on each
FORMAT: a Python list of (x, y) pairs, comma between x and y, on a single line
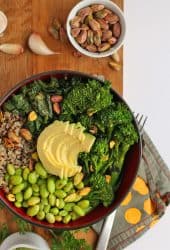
[(49, 74)]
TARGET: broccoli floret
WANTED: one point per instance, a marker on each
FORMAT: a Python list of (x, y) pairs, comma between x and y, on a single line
[(85, 120), (102, 192), (87, 97), (99, 154), (124, 136), (113, 115)]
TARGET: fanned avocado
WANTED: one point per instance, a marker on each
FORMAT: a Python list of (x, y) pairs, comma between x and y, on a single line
[(58, 147)]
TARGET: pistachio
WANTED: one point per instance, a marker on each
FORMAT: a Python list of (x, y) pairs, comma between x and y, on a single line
[(91, 48), (13, 137), (11, 197), (84, 12), (87, 19), (111, 144), (56, 24), (26, 134), (84, 45), (94, 24), (56, 108), (90, 37), (75, 32), (108, 11), (97, 38), (108, 178), (84, 27), (82, 37), (101, 14), (56, 98), (97, 7), (93, 130), (116, 57), (103, 47), (103, 24), (32, 116), (84, 191), (112, 40), (116, 29), (106, 35), (75, 22), (112, 18), (115, 66)]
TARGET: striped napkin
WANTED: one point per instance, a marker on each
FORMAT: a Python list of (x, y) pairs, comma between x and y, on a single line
[(146, 202)]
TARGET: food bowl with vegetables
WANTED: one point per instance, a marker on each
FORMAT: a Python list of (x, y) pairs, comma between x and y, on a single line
[(69, 149), (96, 28)]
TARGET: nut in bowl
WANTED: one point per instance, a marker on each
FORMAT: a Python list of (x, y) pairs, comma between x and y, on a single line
[(96, 28)]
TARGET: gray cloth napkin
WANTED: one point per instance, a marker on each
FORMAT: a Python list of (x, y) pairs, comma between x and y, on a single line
[(145, 203)]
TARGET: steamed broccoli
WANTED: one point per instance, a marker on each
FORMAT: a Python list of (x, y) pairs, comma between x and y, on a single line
[(87, 97), (102, 192), (108, 118), (99, 154), (124, 137)]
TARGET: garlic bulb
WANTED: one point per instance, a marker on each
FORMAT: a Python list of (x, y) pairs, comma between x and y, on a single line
[(11, 48), (3, 23), (38, 46)]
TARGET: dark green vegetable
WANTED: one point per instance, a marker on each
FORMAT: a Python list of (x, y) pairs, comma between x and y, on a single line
[(89, 97), (102, 192)]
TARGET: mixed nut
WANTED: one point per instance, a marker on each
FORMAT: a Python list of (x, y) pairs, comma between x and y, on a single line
[(96, 28)]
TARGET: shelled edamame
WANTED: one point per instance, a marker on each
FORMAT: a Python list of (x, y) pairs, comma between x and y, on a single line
[(45, 196)]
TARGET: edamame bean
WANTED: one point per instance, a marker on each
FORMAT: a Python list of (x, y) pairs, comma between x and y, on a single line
[(68, 187), (60, 183), (80, 185), (40, 215), (63, 213), (67, 219), (35, 188), (68, 207), (15, 180), (47, 208), (58, 218), (25, 184), (50, 218), (41, 181), (40, 170), (51, 185), (25, 173), (28, 193), (19, 197), (37, 194), (33, 201), (71, 197), (83, 204), (24, 204), (18, 171), (72, 191), (18, 204), (32, 177), (60, 203), (44, 201), (78, 178), (10, 169), (78, 198), (74, 216), (43, 191), (52, 199), (18, 188), (32, 211), (7, 177), (41, 206), (78, 210), (60, 193), (54, 210)]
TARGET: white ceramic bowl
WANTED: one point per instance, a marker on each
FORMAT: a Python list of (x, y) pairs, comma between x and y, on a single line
[(109, 5)]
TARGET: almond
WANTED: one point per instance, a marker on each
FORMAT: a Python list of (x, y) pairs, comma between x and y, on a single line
[(116, 30)]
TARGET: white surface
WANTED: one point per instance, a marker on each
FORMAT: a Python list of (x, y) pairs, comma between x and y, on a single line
[(147, 88)]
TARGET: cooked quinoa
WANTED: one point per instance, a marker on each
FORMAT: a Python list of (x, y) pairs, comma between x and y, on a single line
[(13, 150)]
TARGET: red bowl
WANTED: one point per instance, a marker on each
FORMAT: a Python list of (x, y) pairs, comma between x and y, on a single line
[(129, 170)]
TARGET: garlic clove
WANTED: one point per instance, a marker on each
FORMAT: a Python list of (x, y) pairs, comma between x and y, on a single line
[(3, 22), (11, 48), (116, 57), (38, 46)]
